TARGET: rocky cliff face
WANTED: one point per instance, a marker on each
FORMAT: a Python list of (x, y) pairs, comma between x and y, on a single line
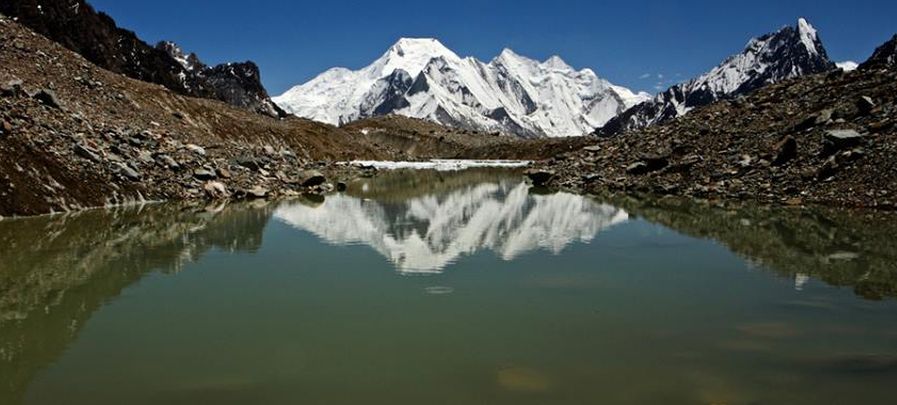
[(238, 84), (788, 53), (80, 28), (885, 56)]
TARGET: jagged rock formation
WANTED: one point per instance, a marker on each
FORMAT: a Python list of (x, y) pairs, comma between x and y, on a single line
[(788, 53), (421, 78), (827, 139), (80, 28), (885, 56)]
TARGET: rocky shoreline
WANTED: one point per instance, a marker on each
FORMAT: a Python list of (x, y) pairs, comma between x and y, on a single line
[(827, 139)]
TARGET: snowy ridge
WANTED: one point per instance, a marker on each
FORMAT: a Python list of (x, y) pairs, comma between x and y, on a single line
[(790, 52), (421, 78), (426, 234)]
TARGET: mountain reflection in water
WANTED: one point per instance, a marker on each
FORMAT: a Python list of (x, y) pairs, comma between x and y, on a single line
[(427, 233), (60, 276)]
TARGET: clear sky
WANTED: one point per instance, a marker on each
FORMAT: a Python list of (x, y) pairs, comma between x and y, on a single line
[(641, 44)]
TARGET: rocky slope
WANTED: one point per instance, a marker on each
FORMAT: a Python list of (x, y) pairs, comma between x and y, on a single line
[(788, 53), (73, 135), (885, 56), (78, 27), (823, 139), (422, 78)]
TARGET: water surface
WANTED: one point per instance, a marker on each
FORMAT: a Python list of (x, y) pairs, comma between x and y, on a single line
[(433, 287)]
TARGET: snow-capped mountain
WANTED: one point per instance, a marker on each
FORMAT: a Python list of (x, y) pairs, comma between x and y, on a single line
[(427, 233), (788, 53), (421, 78)]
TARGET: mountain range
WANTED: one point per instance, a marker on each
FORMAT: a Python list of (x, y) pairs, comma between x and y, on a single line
[(421, 78), (514, 94)]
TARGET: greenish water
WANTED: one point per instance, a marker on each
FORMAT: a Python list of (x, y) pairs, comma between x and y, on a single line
[(449, 288)]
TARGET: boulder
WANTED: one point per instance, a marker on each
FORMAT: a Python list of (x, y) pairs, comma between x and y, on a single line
[(215, 190), (839, 139), (12, 88), (128, 172), (168, 162), (248, 162), (311, 178), (257, 192), (638, 168), (539, 177), (199, 150), (204, 174), (865, 105), (223, 173), (785, 150), (87, 152), (47, 98)]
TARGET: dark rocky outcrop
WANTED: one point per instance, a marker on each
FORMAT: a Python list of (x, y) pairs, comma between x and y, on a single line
[(77, 26), (885, 56)]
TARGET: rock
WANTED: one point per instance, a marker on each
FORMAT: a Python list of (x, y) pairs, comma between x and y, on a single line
[(146, 157), (656, 161), (12, 88), (340, 186), (592, 148), (5, 127), (248, 162), (223, 173), (828, 169), (257, 192), (47, 97), (685, 164), (637, 168), (785, 150), (311, 178), (215, 190), (88, 153), (539, 177), (865, 105), (128, 172), (168, 162), (204, 174), (839, 139), (199, 150)]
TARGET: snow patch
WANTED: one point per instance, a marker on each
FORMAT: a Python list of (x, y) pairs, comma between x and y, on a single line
[(441, 164)]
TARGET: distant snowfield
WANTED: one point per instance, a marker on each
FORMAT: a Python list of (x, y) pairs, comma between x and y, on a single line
[(441, 164)]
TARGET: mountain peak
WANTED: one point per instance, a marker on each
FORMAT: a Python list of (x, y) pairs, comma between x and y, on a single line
[(808, 35), (410, 55), (790, 52), (555, 62)]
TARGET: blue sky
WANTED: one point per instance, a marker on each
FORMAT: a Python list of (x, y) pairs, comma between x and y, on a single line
[(640, 44)]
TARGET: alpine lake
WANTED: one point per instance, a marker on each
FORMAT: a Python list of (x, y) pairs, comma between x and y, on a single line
[(461, 287)]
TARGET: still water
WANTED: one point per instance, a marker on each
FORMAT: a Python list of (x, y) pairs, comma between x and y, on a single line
[(449, 288)]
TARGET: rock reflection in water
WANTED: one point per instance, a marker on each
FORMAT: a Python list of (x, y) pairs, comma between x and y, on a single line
[(425, 233), (55, 271)]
